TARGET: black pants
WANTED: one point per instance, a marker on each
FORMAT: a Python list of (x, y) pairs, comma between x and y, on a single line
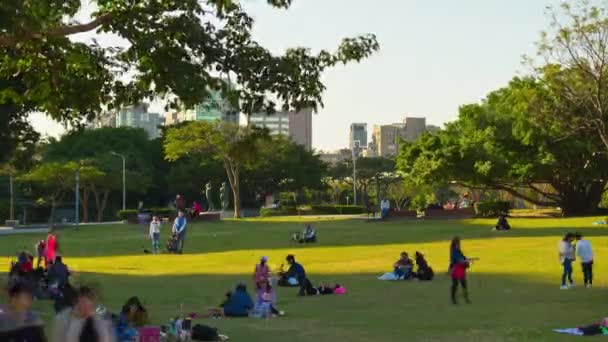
[(588, 272), (463, 283), (306, 287)]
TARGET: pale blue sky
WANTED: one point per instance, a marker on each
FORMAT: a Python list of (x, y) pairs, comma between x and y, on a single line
[(435, 55)]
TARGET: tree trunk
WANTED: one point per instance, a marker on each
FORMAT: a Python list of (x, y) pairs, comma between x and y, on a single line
[(232, 171), (52, 211), (12, 197), (102, 208), (84, 203)]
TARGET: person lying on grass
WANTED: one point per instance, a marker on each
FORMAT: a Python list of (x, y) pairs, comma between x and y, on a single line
[(403, 267)]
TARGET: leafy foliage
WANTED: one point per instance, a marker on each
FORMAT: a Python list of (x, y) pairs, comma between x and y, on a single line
[(179, 50), (498, 145)]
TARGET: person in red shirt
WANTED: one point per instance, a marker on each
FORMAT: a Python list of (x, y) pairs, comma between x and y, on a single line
[(40, 250), (52, 246)]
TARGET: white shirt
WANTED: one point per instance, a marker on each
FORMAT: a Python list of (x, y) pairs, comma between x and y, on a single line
[(385, 204), (565, 251), (154, 227), (68, 328), (584, 251)]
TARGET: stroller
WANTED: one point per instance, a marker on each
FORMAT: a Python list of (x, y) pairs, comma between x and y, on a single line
[(171, 244)]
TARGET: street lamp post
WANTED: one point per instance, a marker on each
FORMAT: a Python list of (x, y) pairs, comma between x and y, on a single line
[(77, 199), (124, 180), (355, 155)]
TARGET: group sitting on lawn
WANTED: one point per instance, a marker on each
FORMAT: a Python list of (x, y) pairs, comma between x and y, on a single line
[(403, 269)]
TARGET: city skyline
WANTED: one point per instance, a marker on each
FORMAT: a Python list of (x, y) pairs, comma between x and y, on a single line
[(435, 56)]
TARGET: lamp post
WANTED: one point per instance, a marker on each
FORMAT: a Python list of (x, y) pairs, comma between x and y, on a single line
[(356, 150), (124, 180), (77, 199)]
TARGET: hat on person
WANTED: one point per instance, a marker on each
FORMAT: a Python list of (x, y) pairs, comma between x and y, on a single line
[(264, 258)]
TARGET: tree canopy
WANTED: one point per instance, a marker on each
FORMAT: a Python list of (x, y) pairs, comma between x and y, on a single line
[(498, 144), (178, 50)]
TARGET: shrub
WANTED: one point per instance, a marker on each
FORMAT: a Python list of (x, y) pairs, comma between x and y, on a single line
[(492, 208), (336, 210), (281, 211), (163, 212), (126, 214)]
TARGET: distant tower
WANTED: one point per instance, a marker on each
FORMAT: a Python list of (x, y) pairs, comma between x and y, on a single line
[(358, 132)]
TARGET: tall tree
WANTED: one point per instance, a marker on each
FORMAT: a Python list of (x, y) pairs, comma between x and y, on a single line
[(180, 50), (574, 51), (235, 146), (499, 145), (55, 179)]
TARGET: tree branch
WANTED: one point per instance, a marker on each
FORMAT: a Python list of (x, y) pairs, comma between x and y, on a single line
[(9, 40)]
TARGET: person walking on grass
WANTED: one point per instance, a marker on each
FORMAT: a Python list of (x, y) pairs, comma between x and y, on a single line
[(566, 258), (458, 270), (155, 233), (179, 229), (584, 251)]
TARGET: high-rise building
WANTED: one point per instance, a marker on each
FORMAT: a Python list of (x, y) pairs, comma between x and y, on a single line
[(138, 116), (337, 156), (358, 132), (386, 140), (297, 125), (414, 128)]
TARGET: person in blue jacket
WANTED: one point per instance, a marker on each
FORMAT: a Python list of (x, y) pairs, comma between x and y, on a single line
[(239, 304), (179, 229)]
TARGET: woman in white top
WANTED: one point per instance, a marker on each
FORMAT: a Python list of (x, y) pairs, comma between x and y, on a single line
[(155, 233), (566, 257), (81, 323)]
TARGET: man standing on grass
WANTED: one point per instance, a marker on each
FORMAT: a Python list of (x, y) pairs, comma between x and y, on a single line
[(179, 229), (584, 251)]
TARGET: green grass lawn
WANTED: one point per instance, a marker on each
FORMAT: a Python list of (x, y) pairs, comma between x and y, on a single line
[(514, 287)]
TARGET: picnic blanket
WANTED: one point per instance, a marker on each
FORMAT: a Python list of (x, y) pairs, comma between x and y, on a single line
[(389, 276)]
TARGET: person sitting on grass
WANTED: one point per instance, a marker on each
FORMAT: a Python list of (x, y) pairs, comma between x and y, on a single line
[(298, 272), (309, 235), (424, 271), (262, 272), (132, 316), (17, 321), (502, 223), (403, 267), (239, 304), (58, 274), (266, 299), (82, 323)]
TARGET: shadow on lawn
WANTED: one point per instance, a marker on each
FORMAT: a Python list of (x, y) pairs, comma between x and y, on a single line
[(505, 308)]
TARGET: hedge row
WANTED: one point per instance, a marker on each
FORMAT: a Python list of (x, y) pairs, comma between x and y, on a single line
[(313, 210), (130, 213), (492, 209)]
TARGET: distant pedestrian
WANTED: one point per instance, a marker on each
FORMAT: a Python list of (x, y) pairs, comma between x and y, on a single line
[(155, 225), (179, 229), (180, 203), (566, 257), (584, 251)]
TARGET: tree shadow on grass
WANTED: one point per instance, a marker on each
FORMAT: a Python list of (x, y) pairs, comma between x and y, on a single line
[(505, 308)]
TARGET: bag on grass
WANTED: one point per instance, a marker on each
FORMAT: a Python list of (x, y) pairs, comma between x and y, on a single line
[(204, 333)]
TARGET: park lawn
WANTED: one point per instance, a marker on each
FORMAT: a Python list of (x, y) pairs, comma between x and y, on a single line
[(514, 287)]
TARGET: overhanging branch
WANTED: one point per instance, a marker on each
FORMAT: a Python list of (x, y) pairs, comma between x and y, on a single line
[(9, 40)]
